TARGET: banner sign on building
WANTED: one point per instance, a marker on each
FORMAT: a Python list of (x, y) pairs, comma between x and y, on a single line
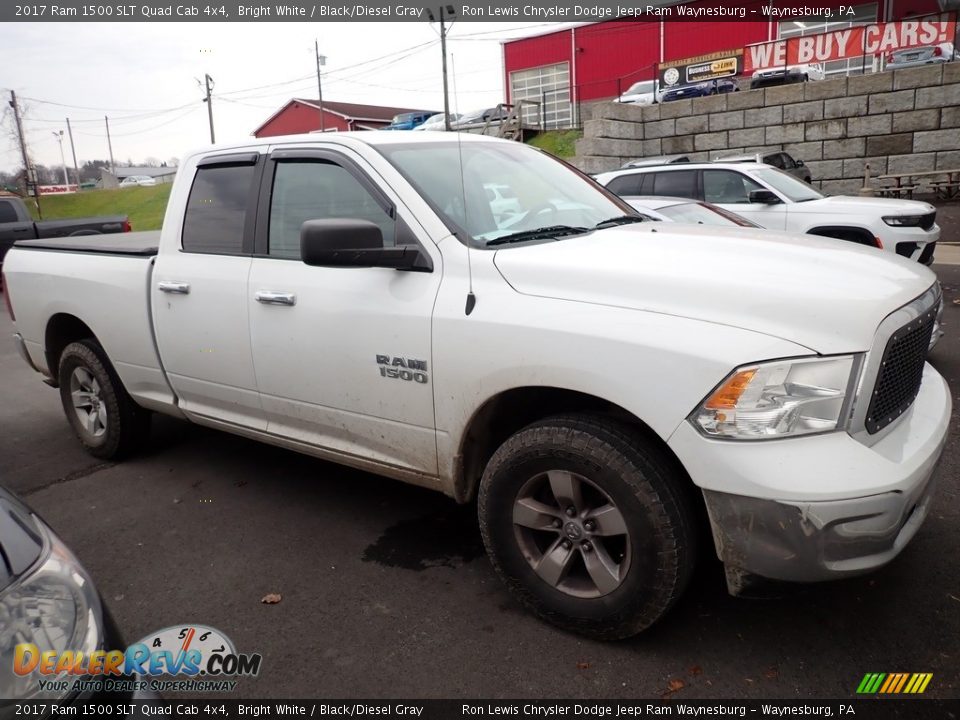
[(874, 39), (726, 63)]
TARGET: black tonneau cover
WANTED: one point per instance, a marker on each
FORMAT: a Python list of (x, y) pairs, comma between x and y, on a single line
[(138, 243)]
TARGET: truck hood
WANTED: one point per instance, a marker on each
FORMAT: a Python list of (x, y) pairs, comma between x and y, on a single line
[(849, 205), (828, 295)]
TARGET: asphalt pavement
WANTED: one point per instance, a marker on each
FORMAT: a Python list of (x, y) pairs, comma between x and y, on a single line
[(386, 591)]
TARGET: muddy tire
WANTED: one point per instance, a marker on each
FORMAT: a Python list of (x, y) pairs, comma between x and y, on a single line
[(109, 424), (588, 524)]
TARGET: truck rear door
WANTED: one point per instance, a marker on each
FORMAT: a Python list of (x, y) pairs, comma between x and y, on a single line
[(199, 295), (342, 355)]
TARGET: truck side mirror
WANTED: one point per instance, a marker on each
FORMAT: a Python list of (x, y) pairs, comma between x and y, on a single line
[(765, 197), (349, 242)]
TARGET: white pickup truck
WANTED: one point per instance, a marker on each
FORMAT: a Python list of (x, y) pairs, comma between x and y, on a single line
[(605, 387)]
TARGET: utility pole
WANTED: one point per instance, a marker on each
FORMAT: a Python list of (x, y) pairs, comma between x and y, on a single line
[(73, 151), (63, 161), (28, 174), (443, 49), (113, 167), (321, 60), (209, 101)]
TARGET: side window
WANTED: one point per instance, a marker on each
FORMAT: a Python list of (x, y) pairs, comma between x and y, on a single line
[(316, 190), (727, 186), (626, 184), (7, 212), (217, 209), (677, 183)]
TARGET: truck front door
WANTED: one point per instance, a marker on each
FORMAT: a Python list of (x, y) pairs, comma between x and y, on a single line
[(342, 355)]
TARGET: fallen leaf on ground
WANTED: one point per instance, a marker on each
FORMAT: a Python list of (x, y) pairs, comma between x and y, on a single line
[(696, 670), (675, 684), (583, 665), (272, 598), (771, 673)]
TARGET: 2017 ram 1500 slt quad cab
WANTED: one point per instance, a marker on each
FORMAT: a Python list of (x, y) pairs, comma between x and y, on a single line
[(594, 380)]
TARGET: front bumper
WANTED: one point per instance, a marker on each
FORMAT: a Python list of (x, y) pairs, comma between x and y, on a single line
[(820, 507)]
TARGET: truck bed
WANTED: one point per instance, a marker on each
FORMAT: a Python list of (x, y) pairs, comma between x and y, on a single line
[(136, 243)]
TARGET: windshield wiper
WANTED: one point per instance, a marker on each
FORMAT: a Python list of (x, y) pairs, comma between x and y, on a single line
[(540, 233), (619, 220)]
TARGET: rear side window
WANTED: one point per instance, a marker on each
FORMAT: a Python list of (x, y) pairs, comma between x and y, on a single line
[(676, 183), (7, 213), (217, 209), (626, 184)]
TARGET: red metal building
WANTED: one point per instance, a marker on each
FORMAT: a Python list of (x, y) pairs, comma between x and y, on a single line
[(303, 116), (596, 61)]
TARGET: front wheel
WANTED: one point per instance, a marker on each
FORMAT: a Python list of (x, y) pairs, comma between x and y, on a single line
[(586, 523), (104, 417)]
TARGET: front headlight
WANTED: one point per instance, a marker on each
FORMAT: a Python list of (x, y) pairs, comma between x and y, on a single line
[(55, 607), (779, 399), (903, 220)]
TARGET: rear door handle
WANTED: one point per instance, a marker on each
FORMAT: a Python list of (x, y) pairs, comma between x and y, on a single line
[(180, 288), (271, 297)]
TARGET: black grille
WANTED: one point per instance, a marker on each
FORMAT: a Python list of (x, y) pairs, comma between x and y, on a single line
[(926, 221), (901, 370), (926, 257), (907, 249)]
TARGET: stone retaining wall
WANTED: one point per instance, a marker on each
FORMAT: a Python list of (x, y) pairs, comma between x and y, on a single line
[(899, 121)]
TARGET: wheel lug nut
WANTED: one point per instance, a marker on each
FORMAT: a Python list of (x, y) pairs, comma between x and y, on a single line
[(586, 546), (567, 544), (556, 524), (590, 525), (571, 511)]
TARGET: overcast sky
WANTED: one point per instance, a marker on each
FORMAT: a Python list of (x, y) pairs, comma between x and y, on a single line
[(144, 77)]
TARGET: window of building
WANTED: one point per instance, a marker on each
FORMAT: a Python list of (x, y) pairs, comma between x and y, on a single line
[(548, 85), (311, 190), (217, 209)]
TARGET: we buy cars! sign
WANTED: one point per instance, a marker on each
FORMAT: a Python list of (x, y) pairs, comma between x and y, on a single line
[(877, 39)]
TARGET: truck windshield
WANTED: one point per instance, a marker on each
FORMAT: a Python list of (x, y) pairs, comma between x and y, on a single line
[(504, 189)]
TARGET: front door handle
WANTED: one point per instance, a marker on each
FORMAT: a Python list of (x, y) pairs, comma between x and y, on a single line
[(271, 297), (180, 288)]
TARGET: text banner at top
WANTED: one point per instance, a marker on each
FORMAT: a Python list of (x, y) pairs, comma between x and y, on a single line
[(562, 11)]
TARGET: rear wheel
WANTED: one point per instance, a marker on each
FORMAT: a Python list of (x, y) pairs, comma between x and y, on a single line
[(585, 522), (107, 421)]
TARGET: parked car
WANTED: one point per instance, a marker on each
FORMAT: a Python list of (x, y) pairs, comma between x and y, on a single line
[(925, 55), (644, 92), (138, 180), (16, 223), (435, 122), (478, 118), (49, 600), (781, 160), (778, 201), (410, 120), (607, 389), (685, 210), (785, 75), (708, 87), (656, 160)]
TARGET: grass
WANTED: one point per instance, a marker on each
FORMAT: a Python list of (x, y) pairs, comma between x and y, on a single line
[(558, 142), (144, 205)]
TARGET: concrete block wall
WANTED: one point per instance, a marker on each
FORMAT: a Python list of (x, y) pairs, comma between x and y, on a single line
[(898, 121)]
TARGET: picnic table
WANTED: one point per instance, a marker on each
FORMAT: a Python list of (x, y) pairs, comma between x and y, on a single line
[(907, 183)]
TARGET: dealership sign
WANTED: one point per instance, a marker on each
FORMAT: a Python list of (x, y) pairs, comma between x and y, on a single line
[(875, 39), (56, 189), (703, 67)]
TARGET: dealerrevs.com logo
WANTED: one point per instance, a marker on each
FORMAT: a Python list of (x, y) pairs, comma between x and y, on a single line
[(197, 657)]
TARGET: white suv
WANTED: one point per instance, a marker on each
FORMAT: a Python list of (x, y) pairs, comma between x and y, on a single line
[(778, 201)]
